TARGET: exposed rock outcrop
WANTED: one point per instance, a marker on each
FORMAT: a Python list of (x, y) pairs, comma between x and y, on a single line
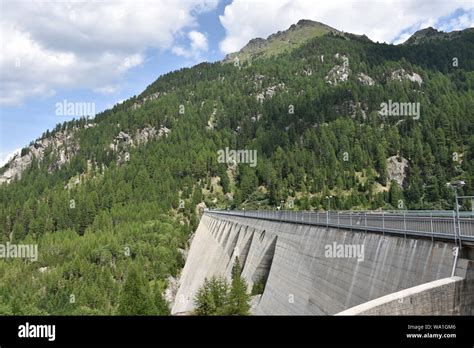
[(211, 123), (365, 80), (339, 73), (257, 81), (256, 118), (142, 136), (123, 142), (402, 74), (307, 72), (148, 98), (396, 169), (200, 208), (269, 92), (171, 290), (61, 145)]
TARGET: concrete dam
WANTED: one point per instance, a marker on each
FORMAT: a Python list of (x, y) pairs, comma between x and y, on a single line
[(337, 263)]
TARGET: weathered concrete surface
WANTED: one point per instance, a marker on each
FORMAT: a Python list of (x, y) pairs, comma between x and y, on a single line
[(302, 280), (213, 250), (446, 296)]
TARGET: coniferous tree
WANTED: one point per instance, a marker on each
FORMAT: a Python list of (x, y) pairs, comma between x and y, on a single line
[(239, 298), (135, 296), (212, 297)]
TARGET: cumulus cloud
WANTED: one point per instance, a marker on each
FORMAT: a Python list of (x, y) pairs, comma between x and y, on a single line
[(198, 45), (198, 41), (382, 20), (465, 20), (59, 44)]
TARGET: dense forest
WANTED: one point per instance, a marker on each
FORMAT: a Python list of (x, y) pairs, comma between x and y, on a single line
[(109, 229)]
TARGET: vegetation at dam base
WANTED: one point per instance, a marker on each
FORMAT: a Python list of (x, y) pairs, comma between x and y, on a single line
[(215, 297)]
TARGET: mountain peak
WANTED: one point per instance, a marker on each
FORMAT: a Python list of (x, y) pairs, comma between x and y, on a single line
[(308, 22), (281, 41), (430, 33)]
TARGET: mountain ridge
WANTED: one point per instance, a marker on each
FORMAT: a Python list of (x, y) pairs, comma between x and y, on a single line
[(430, 33), (284, 41), (293, 37)]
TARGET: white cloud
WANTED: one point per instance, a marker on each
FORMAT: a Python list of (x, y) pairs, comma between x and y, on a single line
[(51, 45), (459, 23), (198, 41), (180, 51), (198, 45), (381, 20)]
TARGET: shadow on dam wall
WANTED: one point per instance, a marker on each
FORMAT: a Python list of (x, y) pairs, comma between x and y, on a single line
[(301, 277)]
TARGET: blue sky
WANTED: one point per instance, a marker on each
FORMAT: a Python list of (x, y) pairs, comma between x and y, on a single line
[(105, 52)]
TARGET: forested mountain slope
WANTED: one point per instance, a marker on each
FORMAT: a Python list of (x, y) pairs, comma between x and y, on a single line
[(111, 206)]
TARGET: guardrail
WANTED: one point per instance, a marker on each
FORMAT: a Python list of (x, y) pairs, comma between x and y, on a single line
[(406, 223)]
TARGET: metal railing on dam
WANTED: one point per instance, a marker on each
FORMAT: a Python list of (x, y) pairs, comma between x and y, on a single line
[(439, 225)]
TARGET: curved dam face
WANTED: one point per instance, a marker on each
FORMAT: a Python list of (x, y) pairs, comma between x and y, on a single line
[(309, 270)]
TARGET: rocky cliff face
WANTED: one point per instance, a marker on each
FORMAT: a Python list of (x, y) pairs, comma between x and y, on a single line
[(151, 97), (339, 73), (365, 80), (269, 92), (402, 74), (396, 169), (123, 142), (62, 145)]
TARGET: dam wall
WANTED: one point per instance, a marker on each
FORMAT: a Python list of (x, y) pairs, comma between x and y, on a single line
[(308, 269)]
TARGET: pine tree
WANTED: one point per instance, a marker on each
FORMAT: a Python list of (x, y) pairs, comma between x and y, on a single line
[(134, 297), (225, 183), (394, 194), (212, 297), (239, 299)]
